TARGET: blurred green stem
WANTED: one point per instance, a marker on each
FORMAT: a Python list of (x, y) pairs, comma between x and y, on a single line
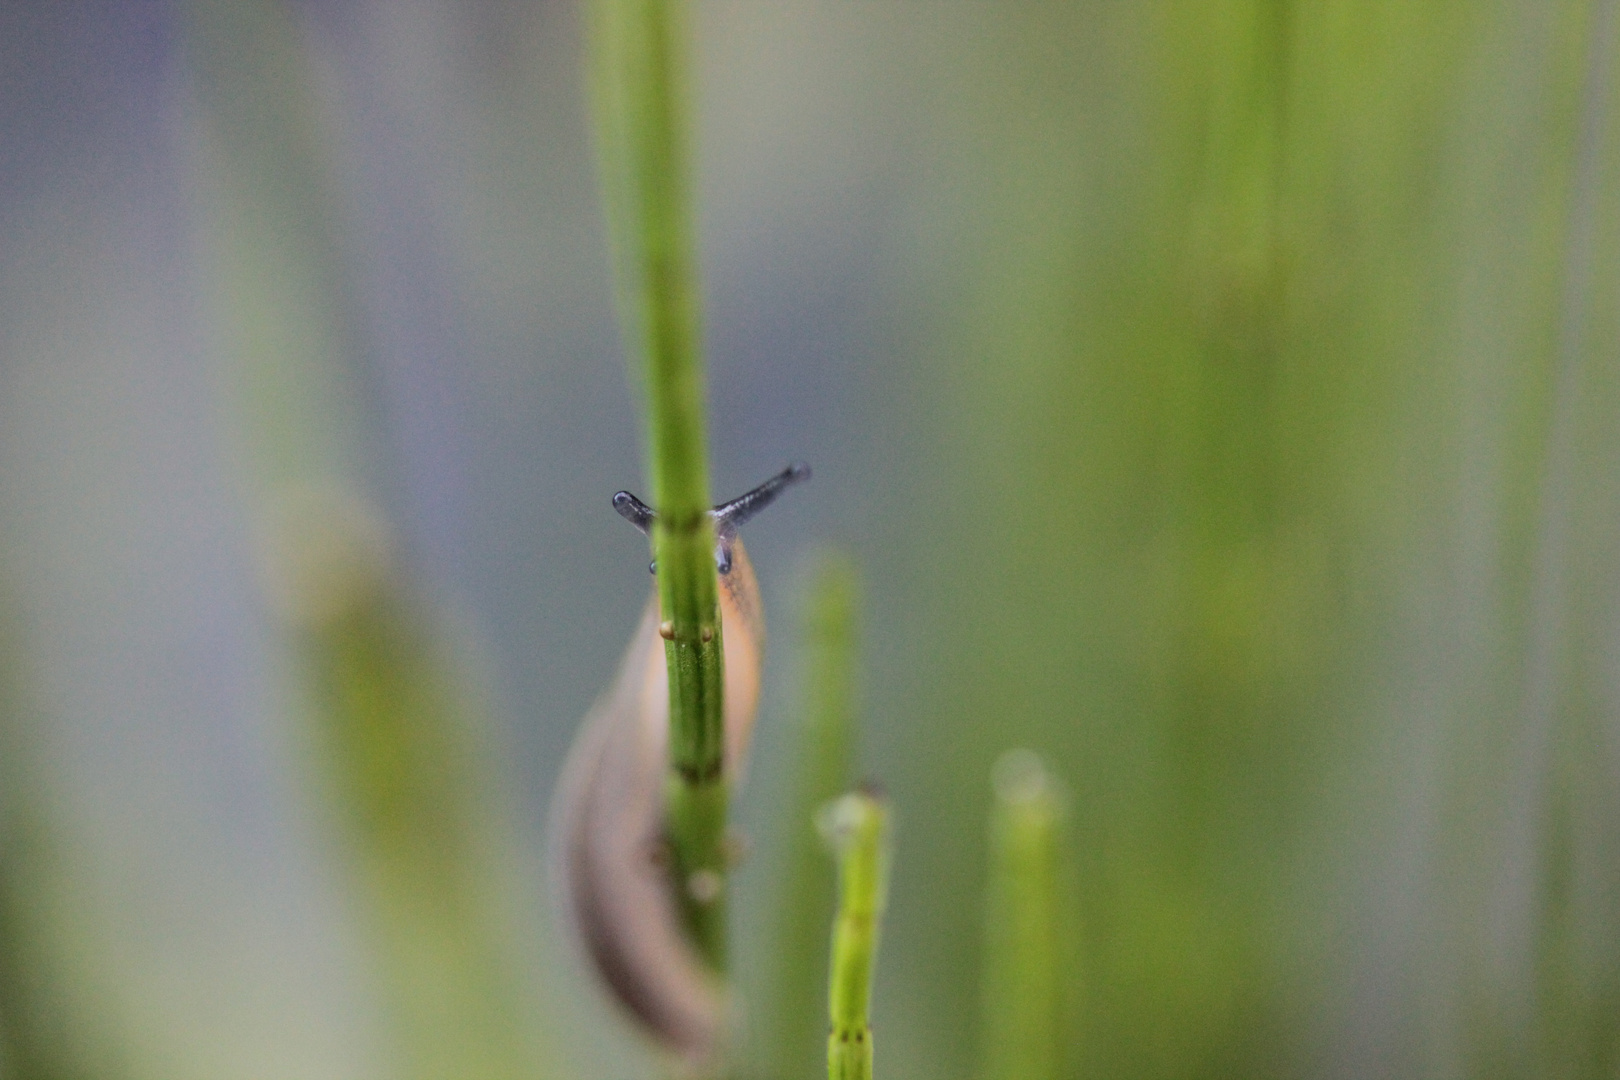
[(393, 726), (637, 61), (791, 1036), (856, 826), (50, 1028), (1022, 950), (393, 723)]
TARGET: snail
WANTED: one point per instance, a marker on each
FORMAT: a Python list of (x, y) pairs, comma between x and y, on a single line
[(608, 859)]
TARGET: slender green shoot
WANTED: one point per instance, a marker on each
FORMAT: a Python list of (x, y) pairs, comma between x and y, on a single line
[(1023, 950), (830, 663), (857, 828), (638, 77), (789, 1031)]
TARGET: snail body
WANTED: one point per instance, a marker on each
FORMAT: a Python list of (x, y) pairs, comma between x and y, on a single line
[(608, 853)]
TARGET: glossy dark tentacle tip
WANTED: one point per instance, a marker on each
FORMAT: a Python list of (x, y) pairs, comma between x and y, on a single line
[(727, 516), (634, 511)]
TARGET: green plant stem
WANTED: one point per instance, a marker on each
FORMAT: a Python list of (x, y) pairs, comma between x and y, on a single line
[(638, 53), (790, 1035), (857, 828), (829, 694), (1022, 947), (392, 724), (50, 1027)]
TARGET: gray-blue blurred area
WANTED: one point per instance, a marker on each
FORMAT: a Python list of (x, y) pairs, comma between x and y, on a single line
[(1218, 398)]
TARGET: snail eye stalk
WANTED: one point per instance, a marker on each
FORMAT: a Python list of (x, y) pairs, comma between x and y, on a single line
[(727, 516), (634, 511)]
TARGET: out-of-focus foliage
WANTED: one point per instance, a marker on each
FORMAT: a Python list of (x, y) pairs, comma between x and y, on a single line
[(394, 738), (52, 1027), (1029, 926), (1276, 396), (788, 1025), (1218, 397)]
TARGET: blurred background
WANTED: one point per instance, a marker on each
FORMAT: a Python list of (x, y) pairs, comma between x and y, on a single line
[(1218, 398)]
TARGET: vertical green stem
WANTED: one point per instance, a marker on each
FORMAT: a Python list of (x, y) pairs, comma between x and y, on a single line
[(1023, 947), (638, 59), (857, 828), (49, 1028), (829, 692), (394, 727), (790, 1034)]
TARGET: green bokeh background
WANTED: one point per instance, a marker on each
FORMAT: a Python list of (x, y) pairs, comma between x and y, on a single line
[(1219, 398)]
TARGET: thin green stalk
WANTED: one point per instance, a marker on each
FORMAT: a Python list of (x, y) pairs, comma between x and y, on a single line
[(857, 827), (790, 1036), (54, 1017), (392, 727), (637, 57), (1023, 949)]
